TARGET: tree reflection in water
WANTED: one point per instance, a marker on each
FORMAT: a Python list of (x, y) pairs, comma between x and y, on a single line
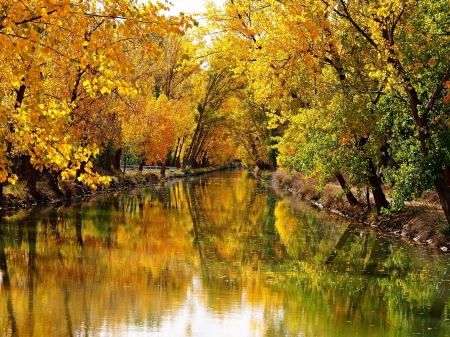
[(218, 255)]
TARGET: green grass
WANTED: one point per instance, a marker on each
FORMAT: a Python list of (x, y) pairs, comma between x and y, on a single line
[(17, 190), (266, 176)]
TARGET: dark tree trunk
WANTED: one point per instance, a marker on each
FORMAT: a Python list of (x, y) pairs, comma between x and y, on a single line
[(141, 165), (349, 195), (202, 140), (30, 174), (204, 159), (175, 152), (163, 169), (108, 163), (447, 175), (178, 160), (443, 191), (377, 191), (195, 137), (194, 148), (124, 164), (53, 183), (117, 156)]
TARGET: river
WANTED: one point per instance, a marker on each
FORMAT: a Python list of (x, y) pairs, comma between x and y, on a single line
[(217, 255)]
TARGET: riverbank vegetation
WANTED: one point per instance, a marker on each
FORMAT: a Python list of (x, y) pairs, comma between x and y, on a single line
[(344, 91)]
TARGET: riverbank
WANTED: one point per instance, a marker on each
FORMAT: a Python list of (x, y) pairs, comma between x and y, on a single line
[(17, 197), (420, 222)]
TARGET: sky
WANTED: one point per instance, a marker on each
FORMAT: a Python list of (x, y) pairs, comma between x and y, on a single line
[(189, 6)]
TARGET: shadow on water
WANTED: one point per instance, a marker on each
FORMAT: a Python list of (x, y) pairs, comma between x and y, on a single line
[(341, 243), (78, 234), (379, 253), (12, 325), (438, 306), (30, 222)]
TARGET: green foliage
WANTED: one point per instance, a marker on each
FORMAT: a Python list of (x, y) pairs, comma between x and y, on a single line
[(266, 176), (16, 190), (140, 178)]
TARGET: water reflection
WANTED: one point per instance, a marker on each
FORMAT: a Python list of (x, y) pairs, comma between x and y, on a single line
[(217, 255)]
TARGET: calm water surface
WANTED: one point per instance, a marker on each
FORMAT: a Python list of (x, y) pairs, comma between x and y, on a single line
[(219, 255)]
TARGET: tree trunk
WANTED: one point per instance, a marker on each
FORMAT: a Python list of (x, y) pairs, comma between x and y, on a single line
[(117, 156), (196, 136), (199, 147), (107, 163), (204, 159), (447, 175), (124, 164), (141, 165), (176, 152), (377, 191), (30, 174), (349, 195), (178, 158), (193, 149), (53, 183), (443, 191), (163, 169), (191, 146)]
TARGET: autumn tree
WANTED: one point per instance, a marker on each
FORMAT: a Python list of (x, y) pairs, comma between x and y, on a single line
[(215, 87), (40, 40), (410, 37), (152, 128), (363, 84)]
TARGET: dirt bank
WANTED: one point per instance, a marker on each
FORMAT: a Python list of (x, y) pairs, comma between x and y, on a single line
[(17, 197), (420, 222)]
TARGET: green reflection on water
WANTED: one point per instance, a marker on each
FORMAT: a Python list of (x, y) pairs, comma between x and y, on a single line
[(217, 255)]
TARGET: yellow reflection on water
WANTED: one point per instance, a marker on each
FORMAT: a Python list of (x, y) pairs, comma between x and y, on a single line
[(215, 256)]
